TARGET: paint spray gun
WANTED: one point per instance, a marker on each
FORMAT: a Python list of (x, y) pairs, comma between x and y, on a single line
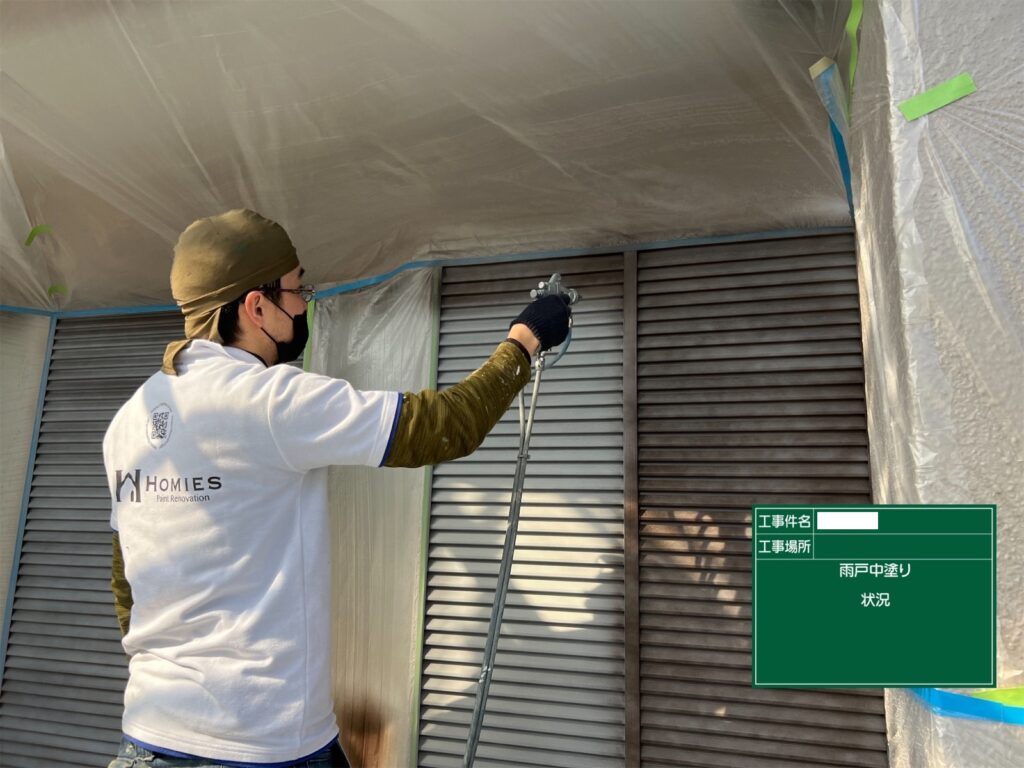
[(554, 287)]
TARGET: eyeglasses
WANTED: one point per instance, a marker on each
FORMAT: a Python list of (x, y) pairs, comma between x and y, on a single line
[(307, 292)]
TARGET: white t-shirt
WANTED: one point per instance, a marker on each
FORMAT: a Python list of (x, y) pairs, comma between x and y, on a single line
[(219, 487)]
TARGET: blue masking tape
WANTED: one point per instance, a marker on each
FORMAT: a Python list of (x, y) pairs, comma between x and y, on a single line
[(467, 261), (829, 86), (844, 163), (961, 705), (569, 252)]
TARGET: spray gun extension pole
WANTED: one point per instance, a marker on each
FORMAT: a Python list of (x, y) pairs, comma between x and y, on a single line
[(553, 286)]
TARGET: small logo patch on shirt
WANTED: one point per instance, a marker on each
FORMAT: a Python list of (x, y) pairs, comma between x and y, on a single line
[(158, 427)]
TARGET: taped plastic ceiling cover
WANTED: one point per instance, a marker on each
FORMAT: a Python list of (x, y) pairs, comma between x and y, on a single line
[(384, 132)]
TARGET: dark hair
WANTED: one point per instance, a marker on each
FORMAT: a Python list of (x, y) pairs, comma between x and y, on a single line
[(227, 324)]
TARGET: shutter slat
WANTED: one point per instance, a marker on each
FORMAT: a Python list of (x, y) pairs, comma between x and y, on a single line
[(503, 312), (765, 730), (686, 331), (748, 295), (778, 713), (512, 301), (741, 252), (749, 469), (728, 279), (745, 266), (568, 267), (746, 440), (452, 694), (743, 744), (449, 634)]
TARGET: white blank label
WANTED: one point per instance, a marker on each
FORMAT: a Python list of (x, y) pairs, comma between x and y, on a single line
[(848, 521)]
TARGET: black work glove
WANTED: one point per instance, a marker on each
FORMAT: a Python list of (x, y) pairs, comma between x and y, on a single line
[(548, 318)]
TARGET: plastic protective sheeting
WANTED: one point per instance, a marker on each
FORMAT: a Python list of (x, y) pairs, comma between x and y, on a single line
[(22, 279), (921, 738), (23, 341), (384, 132), (379, 338), (941, 232)]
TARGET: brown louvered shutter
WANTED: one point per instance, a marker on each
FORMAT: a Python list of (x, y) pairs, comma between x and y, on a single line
[(65, 670), (750, 391), (557, 694)]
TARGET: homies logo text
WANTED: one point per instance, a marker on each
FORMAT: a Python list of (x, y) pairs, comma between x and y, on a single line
[(129, 486)]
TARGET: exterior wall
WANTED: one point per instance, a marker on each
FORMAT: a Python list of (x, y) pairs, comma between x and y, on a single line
[(23, 347)]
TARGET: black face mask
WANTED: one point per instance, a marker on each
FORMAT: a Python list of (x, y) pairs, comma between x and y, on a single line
[(287, 351)]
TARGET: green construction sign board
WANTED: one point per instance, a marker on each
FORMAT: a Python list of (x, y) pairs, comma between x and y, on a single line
[(851, 596)]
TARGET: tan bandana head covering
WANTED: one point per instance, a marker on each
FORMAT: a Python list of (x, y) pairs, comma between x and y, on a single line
[(215, 261)]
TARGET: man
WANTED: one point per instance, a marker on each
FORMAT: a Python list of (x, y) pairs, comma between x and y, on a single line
[(217, 471)]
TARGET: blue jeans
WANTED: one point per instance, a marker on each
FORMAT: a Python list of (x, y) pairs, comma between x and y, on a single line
[(132, 756)]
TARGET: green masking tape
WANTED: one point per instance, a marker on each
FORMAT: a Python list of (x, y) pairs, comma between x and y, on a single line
[(36, 230), (55, 289), (938, 97), (1014, 697), (852, 26)]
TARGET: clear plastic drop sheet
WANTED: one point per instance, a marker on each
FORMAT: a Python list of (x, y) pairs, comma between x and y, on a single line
[(21, 270), (380, 133), (377, 338), (940, 224), (920, 738)]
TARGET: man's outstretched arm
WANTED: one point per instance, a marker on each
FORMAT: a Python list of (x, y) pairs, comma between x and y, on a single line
[(442, 426)]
